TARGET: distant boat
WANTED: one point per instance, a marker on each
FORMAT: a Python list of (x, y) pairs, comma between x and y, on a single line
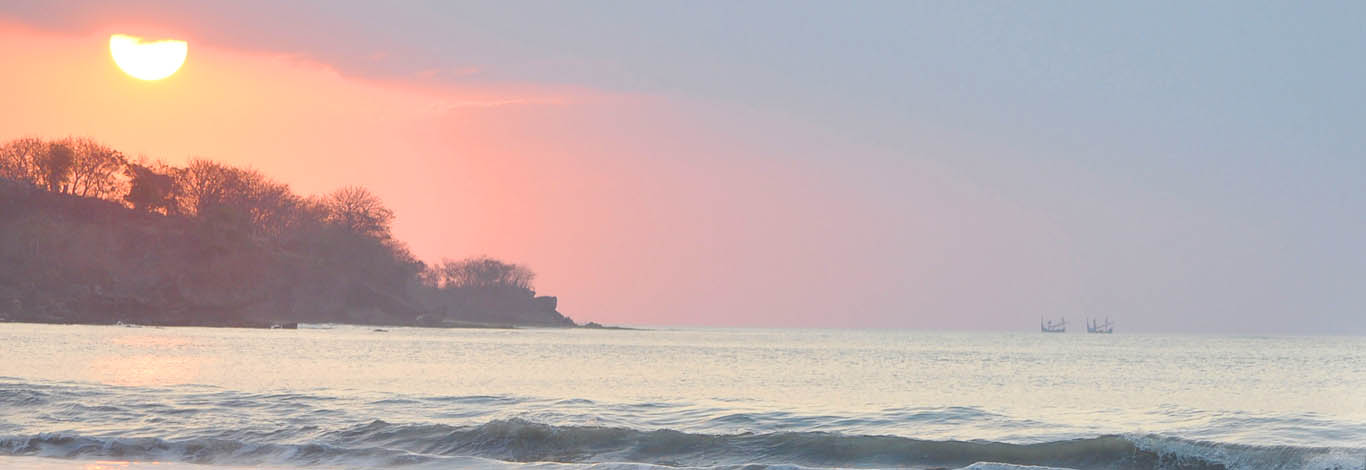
[(1095, 326), (1051, 326)]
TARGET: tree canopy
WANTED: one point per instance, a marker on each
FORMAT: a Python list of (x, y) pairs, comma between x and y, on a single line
[(236, 236)]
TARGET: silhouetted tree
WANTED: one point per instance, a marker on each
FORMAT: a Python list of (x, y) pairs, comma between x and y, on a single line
[(54, 166), (236, 196), (358, 210), (19, 159), (95, 168), (78, 166), (151, 190), (271, 206), (204, 184), (483, 272)]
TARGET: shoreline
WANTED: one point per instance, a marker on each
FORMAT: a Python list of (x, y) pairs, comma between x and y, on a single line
[(296, 325)]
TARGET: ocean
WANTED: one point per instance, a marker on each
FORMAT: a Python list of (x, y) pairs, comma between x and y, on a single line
[(344, 397)]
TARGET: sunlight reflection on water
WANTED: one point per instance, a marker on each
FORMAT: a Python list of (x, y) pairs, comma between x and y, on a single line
[(146, 370), (147, 359)]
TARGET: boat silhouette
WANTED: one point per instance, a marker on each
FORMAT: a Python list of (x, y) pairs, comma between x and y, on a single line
[(1095, 326), (1050, 326)]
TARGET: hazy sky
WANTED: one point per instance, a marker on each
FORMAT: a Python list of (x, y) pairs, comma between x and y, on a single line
[(1176, 166)]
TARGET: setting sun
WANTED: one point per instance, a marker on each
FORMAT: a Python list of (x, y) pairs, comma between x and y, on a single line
[(758, 235), (147, 60)]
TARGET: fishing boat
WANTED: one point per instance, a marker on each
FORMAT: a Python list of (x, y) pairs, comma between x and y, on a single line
[(1095, 326), (1050, 326)]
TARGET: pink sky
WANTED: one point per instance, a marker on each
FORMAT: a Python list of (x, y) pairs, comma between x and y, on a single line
[(632, 208), (889, 165)]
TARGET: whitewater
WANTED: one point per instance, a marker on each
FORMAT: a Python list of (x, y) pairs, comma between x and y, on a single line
[(344, 397)]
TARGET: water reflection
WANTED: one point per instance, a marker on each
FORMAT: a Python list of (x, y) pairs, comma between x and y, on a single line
[(146, 370), (152, 342), (147, 360), (106, 465)]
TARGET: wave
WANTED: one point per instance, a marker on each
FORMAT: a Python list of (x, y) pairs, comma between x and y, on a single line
[(199, 451), (379, 443)]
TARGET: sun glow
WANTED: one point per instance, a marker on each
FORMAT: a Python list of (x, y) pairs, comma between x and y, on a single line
[(147, 60)]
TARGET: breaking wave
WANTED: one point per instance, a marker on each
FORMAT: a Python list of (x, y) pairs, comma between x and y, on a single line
[(379, 443)]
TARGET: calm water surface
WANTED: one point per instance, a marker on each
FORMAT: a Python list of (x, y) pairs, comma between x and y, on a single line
[(352, 397)]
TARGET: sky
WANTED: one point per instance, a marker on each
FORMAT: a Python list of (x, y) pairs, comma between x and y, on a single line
[(1175, 166)]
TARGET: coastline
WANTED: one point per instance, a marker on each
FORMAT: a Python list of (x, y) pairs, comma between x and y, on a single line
[(296, 325)]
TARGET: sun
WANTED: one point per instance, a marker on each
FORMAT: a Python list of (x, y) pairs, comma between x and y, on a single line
[(147, 60)]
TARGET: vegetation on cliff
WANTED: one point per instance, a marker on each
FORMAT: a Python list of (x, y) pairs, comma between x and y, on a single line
[(87, 236)]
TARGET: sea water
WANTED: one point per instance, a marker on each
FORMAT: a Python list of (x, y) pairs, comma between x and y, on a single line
[(324, 396)]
